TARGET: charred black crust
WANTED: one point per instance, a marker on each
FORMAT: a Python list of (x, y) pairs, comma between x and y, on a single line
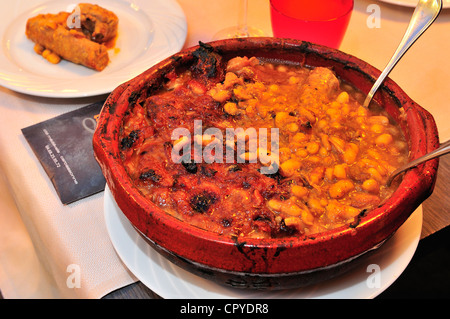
[(150, 175), (191, 167), (128, 141), (226, 222), (276, 176), (279, 250), (207, 60), (285, 230), (133, 97), (176, 58), (357, 219), (111, 107), (207, 171), (239, 246), (234, 168), (202, 202)]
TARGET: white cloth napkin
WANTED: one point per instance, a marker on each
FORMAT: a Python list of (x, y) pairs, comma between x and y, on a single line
[(55, 251)]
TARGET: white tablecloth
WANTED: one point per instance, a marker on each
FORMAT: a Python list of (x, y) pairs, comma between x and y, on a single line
[(44, 244)]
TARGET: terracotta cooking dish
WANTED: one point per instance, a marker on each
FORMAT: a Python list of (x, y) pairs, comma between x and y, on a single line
[(270, 263)]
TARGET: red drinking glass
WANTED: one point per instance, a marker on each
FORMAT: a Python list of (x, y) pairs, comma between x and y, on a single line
[(322, 22)]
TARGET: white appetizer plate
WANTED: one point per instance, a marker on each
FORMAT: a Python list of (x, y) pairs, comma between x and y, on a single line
[(149, 31)]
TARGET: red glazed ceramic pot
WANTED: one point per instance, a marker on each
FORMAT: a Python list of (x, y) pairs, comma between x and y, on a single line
[(270, 263)]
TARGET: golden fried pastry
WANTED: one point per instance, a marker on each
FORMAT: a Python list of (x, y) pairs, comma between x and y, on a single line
[(84, 45)]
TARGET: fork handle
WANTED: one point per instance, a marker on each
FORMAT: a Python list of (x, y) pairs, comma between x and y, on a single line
[(443, 149), (424, 15)]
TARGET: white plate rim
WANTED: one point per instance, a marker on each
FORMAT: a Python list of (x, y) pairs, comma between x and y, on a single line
[(170, 281), (169, 36), (413, 3)]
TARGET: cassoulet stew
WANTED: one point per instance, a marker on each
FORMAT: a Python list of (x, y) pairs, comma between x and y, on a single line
[(253, 148)]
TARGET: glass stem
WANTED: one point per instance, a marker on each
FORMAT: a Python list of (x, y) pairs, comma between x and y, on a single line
[(242, 19)]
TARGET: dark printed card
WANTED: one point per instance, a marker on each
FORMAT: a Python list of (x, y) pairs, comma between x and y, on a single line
[(63, 146)]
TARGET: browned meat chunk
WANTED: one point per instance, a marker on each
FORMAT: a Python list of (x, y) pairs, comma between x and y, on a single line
[(98, 23)]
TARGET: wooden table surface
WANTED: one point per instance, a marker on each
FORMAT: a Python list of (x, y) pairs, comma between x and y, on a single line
[(436, 209)]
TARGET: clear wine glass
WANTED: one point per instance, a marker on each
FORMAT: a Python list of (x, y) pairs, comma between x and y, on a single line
[(242, 30)]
